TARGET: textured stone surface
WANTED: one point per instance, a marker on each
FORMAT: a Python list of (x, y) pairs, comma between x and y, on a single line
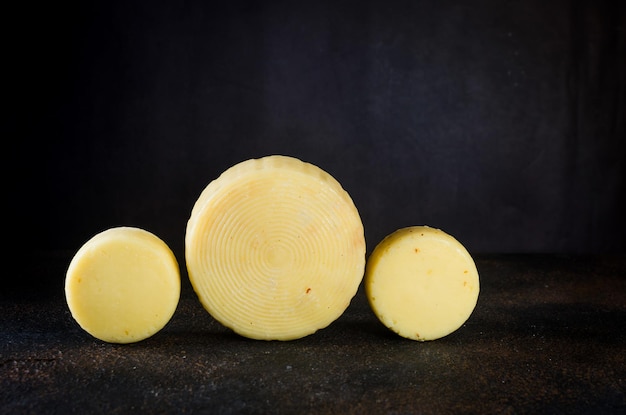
[(547, 336)]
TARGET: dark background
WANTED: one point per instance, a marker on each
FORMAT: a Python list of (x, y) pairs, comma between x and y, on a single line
[(500, 122)]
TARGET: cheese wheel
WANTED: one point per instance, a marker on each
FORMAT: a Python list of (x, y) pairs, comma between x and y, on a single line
[(421, 283), (123, 285), (275, 248)]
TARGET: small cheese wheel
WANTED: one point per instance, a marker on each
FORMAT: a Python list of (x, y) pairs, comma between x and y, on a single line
[(421, 283), (123, 285), (275, 248)]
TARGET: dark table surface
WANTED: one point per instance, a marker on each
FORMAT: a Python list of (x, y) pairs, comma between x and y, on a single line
[(547, 336)]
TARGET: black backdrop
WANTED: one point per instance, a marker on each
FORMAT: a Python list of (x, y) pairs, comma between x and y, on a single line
[(500, 122)]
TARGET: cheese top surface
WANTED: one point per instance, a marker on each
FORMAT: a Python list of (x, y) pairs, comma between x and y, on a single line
[(123, 285), (421, 283), (275, 248)]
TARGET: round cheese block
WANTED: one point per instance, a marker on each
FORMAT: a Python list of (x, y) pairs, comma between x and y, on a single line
[(123, 285), (275, 248), (421, 283)]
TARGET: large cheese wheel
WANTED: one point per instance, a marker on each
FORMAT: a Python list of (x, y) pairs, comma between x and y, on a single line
[(275, 248)]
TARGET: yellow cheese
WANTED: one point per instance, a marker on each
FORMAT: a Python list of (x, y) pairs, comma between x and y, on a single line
[(123, 285), (421, 283), (275, 248)]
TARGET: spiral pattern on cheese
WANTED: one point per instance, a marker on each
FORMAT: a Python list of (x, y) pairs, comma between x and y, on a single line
[(275, 248)]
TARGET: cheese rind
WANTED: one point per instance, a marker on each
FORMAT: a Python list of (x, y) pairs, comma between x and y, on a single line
[(275, 248), (421, 283), (123, 285)]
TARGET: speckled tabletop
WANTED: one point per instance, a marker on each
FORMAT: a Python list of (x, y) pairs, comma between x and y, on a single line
[(547, 336)]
